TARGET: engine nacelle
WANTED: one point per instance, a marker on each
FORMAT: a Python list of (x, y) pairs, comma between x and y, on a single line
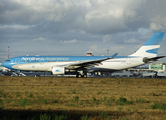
[(58, 70)]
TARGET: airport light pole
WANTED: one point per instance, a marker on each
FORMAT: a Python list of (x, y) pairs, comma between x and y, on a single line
[(8, 52), (107, 51)]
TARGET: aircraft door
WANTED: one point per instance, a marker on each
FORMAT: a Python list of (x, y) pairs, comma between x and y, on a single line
[(128, 61), (17, 61), (41, 61)]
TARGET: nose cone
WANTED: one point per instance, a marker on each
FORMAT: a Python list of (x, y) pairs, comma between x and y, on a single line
[(4, 64), (8, 64)]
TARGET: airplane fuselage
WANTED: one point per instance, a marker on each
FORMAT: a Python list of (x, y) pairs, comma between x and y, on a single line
[(45, 63)]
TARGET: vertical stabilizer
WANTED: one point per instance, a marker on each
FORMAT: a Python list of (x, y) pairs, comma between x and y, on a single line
[(151, 47)]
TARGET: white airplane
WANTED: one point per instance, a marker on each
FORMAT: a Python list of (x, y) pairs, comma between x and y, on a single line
[(80, 65)]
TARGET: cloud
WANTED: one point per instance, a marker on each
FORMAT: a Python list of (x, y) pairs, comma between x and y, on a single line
[(131, 41), (107, 38), (74, 41), (76, 26), (112, 16), (155, 26), (21, 27), (97, 50), (94, 48), (91, 16), (39, 39)]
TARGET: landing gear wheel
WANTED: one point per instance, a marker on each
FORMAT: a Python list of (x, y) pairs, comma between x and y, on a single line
[(78, 76), (85, 75)]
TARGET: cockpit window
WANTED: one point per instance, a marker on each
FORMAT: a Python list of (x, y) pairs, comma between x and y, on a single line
[(7, 60)]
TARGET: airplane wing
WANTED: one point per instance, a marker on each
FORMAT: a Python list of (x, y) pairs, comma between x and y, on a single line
[(146, 60), (89, 63)]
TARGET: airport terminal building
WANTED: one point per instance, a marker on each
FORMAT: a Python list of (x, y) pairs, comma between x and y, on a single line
[(157, 66)]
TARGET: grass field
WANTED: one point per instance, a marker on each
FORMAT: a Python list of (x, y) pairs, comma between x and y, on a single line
[(48, 98)]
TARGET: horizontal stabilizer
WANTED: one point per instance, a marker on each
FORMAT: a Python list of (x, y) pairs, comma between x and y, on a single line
[(147, 60)]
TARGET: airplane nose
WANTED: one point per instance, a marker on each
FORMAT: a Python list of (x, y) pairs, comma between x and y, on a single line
[(3, 64), (7, 64)]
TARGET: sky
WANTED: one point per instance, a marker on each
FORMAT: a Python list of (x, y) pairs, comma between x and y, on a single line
[(75, 27)]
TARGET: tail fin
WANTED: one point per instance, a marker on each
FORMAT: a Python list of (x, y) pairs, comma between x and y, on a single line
[(151, 47)]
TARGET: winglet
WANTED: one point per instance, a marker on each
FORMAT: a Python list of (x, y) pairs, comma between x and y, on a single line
[(114, 56)]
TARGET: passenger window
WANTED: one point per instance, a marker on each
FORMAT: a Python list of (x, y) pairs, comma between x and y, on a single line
[(22, 60)]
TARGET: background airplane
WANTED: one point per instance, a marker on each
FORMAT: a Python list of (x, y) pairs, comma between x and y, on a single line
[(80, 65)]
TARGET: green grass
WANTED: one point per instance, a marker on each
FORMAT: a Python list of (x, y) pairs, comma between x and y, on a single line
[(24, 102), (68, 92), (53, 117), (45, 117), (1, 92), (123, 101), (120, 109), (97, 102), (52, 92), (158, 106), (81, 103), (76, 98), (36, 116), (71, 105), (61, 117), (73, 91), (4, 95), (90, 98), (93, 99), (31, 95), (99, 93), (41, 100), (108, 103), (111, 99), (1, 103), (141, 101), (53, 101), (17, 95), (104, 115), (7, 100), (45, 101), (104, 99), (85, 117)]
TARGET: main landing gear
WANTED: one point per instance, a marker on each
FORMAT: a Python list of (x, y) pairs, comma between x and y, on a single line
[(81, 75)]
